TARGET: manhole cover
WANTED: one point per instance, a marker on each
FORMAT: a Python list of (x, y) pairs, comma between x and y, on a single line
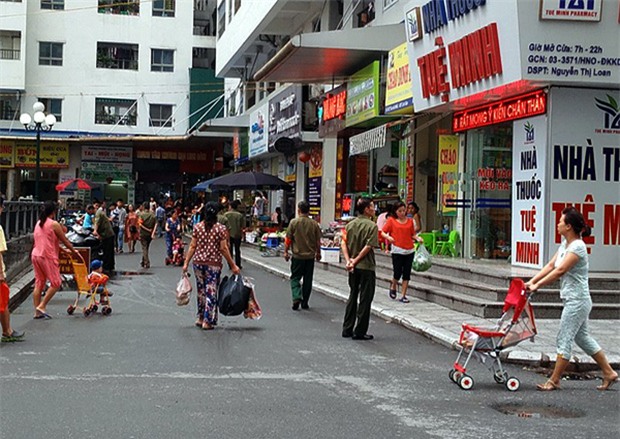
[(537, 411), (132, 273)]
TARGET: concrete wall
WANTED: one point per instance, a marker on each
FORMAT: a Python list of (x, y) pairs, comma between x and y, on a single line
[(17, 257)]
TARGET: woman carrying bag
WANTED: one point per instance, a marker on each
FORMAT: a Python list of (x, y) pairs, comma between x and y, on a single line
[(400, 232), (209, 244)]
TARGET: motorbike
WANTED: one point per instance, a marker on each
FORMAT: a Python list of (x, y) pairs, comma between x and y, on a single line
[(79, 236)]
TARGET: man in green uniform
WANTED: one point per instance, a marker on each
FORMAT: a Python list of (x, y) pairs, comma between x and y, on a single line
[(235, 228), (304, 237), (148, 229), (105, 232), (358, 243)]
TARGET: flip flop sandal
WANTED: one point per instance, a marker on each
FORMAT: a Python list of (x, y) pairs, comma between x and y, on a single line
[(548, 386), (42, 315), (403, 300), (392, 294)]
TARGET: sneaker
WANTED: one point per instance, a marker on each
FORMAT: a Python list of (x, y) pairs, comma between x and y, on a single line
[(403, 299), (13, 337)]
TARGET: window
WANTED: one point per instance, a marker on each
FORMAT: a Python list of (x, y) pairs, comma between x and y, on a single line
[(10, 44), (160, 115), (113, 111), (163, 8), (221, 19), (52, 106), (52, 4), (162, 60), (50, 54), (117, 56), (122, 7), (9, 108)]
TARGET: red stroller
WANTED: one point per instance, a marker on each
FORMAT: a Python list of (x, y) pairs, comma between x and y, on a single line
[(178, 253), (485, 344)]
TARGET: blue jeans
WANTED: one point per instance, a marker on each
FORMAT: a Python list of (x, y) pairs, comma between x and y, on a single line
[(121, 235)]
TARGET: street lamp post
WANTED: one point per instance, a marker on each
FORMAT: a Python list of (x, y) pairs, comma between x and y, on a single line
[(39, 121)]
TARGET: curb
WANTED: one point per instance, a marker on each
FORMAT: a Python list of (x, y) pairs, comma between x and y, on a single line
[(444, 338), (21, 289)]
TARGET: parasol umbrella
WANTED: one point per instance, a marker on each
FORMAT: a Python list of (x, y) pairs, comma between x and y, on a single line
[(244, 180), (73, 185)]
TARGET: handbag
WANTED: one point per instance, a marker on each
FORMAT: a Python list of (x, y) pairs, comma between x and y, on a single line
[(233, 296)]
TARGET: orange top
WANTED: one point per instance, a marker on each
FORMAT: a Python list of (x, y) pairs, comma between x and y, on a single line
[(402, 233), (96, 278)]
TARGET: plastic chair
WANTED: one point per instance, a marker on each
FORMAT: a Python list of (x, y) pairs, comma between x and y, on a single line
[(451, 247), (429, 241)]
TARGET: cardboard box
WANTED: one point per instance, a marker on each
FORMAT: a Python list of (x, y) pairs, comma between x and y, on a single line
[(330, 254)]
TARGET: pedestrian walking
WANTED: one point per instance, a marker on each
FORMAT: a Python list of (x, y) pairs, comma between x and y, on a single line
[(122, 218), (358, 243), (148, 230), (105, 232), (570, 266), (382, 221), (132, 228), (114, 220), (173, 231), (209, 244), (8, 333), (303, 237), (160, 214), (400, 232), (235, 229), (47, 235)]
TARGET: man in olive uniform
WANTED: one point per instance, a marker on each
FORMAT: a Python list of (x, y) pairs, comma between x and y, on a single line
[(148, 229), (304, 237), (358, 243), (235, 228), (105, 232)]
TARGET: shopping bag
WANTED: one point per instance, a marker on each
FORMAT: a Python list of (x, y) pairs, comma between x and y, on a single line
[(253, 311), (184, 288), (421, 259), (233, 296)]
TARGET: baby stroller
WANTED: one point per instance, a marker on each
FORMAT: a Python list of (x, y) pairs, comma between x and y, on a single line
[(178, 253), (88, 291), (485, 344)]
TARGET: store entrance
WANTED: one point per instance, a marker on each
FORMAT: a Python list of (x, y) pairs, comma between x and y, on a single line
[(489, 187)]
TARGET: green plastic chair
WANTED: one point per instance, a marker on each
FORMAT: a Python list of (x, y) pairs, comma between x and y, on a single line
[(451, 247), (429, 241)]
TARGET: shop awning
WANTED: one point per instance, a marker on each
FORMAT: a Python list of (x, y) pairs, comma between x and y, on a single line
[(226, 124), (322, 57)]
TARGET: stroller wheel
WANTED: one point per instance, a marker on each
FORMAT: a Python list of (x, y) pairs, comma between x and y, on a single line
[(70, 309), (95, 308), (466, 382), (86, 312), (499, 378), (513, 384), (451, 375), (106, 311), (456, 376)]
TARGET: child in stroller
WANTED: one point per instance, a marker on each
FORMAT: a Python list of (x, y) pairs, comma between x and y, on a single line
[(178, 253)]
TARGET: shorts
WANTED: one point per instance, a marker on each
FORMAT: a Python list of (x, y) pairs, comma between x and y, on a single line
[(46, 269), (4, 296), (402, 265)]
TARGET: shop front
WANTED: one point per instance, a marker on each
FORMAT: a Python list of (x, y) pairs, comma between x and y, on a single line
[(530, 115)]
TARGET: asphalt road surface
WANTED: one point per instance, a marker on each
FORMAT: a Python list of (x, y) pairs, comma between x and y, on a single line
[(147, 372)]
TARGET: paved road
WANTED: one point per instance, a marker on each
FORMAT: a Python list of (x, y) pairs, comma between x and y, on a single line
[(146, 371)]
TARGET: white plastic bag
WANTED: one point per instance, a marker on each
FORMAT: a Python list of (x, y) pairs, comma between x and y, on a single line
[(184, 288), (421, 259)]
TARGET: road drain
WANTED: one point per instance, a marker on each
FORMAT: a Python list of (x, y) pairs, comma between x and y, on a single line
[(537, 411), (131, 273)]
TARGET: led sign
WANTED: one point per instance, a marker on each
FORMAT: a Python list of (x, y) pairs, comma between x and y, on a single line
[(335, 106), (518, 107)]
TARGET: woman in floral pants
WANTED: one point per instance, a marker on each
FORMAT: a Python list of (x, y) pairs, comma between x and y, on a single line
[(209, 244)]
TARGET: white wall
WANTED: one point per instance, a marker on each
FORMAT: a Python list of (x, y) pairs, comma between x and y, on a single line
[(13, 72)]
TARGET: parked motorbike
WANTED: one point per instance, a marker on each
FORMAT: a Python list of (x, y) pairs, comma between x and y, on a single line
[(78, 236)]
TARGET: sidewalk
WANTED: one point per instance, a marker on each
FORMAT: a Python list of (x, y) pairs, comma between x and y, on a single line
[(443, 325)]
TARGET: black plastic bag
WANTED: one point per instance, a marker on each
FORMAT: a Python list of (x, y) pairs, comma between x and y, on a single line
[(233, 296)]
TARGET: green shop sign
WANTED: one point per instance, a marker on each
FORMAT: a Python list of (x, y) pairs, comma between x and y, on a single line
[(363, 95)]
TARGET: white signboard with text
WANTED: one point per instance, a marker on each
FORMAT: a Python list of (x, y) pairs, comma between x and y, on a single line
[(258, 133), (585, 169), (529, 161)]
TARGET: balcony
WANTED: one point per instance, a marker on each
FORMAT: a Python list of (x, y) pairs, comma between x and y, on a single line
[(11, 54), (117, 56)]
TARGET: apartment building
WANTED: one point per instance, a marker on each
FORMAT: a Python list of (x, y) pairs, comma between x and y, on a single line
[(106, 69)]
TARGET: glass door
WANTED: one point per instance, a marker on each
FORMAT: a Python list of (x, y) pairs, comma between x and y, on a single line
[(488, 183)]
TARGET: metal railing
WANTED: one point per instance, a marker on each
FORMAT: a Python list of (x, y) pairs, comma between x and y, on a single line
[(19, 217), (12, 54)]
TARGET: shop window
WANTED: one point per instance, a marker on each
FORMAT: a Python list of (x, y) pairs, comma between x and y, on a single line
[(162, 60), (160, 115), (116, 111), (117, 56), (53, 4), (50, 54), (163, 8), (53, 106), (122, 7)]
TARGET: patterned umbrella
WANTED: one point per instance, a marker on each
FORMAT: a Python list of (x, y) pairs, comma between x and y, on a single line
[(73, 185)]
